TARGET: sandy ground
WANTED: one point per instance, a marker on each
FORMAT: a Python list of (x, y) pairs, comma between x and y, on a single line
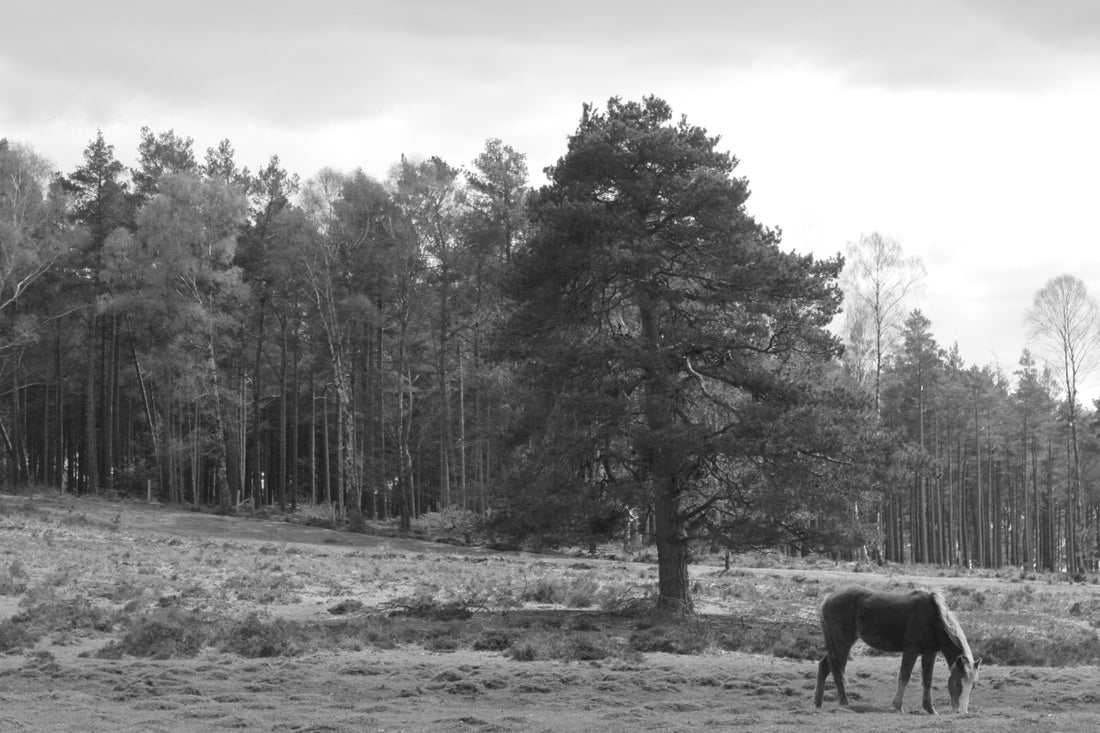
[(58, 686)]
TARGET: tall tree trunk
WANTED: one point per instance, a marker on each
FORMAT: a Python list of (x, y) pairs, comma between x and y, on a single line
[(312, 427), (674, 590), (282, 412), (404, 427), (462, 435), (59, 445), (292, 469), (257, 386), (347, 490), (221, 474), (327, 448), (91, 459), (110, 401), (151, 417)]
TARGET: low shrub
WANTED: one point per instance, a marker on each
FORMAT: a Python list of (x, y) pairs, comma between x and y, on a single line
[(545, 589), (63, 614), (525, 652), (348, 605), (798, 643), (1072, 647), (255, 638), (165, 634), (687, 638), (793, 641), (492, 641), (14, 637), (582, 593)]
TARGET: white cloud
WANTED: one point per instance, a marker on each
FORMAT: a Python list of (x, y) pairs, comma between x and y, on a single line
[(963, 128)]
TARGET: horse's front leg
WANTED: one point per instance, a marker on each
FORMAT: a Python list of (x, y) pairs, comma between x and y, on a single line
[(908, 659), (927, 667)]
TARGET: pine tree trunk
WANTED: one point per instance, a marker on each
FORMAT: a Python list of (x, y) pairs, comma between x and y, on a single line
[(673, 584), (292, 469), (674, 590), (282, 414), (258, 497), (59, 445), (91, 462), (327, 462)]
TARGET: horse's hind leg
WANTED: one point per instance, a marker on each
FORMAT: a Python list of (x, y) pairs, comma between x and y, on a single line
[(837, 665), (831, 663), (822, 674), (908, 659)]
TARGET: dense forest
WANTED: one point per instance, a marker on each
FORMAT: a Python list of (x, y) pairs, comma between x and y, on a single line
[(623, 352)]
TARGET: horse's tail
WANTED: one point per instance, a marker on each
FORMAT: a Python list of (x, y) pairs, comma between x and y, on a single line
[(826, 615)]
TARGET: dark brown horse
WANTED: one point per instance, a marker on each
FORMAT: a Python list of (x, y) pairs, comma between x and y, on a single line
[(918, 623)]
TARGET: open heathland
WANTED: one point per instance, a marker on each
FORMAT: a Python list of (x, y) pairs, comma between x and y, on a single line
[(122, 616)]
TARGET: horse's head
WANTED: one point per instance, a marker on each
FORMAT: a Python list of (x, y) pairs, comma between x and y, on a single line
[(964, 675)]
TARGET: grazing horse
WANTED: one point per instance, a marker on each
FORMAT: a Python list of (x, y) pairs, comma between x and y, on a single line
[(916, 624)]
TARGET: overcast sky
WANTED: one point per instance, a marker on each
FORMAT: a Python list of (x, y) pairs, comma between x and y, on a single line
[(968, 130)]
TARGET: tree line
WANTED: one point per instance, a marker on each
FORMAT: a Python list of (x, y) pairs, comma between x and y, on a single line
[(623, 349)]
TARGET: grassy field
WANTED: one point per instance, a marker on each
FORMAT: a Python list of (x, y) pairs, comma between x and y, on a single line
[(126, 616)]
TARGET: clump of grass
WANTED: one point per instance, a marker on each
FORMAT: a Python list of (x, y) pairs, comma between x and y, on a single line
[(492, 641), (581, 647), (1059, 648), (795, 641), (256, 638), (584, 648), (123, 591), (441, 644), (964, 598), (14, 581), (63, 614), (348, 605), (14, 636), (72, 519), (545, 589), (525, 652), (266, 588), (425, 607), (167, 634), (582, 593), (685, 638)]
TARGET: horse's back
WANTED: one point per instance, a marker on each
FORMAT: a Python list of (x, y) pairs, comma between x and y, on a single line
[(845, 602), (886, 621)]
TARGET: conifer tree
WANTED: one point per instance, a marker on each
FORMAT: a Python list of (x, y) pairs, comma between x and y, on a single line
[(670, 341)]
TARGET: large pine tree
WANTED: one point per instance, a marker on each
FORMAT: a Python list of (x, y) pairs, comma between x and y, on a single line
[(671, 343)]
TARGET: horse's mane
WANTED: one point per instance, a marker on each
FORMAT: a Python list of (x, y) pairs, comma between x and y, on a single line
[(951, 626)]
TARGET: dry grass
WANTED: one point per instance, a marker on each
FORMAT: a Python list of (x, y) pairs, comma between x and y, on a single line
[(105, 573)]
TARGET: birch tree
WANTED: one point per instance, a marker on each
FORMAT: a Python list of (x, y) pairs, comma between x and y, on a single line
[(1064, 321), (878, 281)]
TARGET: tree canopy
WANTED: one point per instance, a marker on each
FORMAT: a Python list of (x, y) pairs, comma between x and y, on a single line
[(647, 282)]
